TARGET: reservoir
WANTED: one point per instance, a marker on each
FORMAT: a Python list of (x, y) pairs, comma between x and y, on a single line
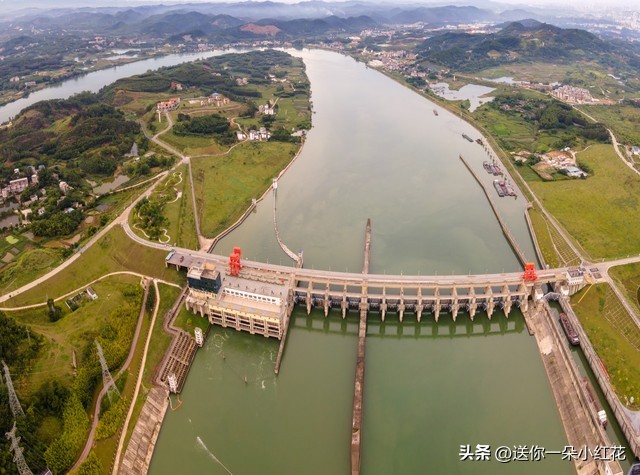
[(378, 151)]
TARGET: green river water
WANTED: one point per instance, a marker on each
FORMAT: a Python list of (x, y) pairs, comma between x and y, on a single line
[(376, 150)]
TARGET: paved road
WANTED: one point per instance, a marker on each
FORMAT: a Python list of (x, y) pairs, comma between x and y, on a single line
[(75, 291), (103, 392), (123, 434), (124, 217), (616, 145)]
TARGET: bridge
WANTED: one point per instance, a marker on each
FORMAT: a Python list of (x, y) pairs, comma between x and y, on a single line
[(398, 293)]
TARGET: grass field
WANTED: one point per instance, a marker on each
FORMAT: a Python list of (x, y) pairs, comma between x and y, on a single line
[(30, 265), (158, 346), (615, 338), (589, 72), (225, 185), (624, 120), (600, 211), (513, 133), (628, 277), (543, 237), (182, 227), (71, 332), (189, 321), (114, 252), (192, 145)]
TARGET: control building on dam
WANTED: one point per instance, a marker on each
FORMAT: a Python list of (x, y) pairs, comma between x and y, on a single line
[(259, 298)]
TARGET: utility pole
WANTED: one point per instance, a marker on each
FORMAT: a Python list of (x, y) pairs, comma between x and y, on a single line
[(16, 409), (107, 380), (18, 458)]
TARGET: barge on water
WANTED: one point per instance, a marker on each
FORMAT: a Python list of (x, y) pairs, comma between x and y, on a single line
[(567, 326), (465, 136), (593, 398)]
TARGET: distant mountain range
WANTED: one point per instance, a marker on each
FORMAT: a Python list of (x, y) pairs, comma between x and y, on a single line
[(526, 41), (61, 13), (252, 19)]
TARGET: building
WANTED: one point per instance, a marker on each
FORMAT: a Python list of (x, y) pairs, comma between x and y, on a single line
[(170, 105), (266, 109), (259, 135), (18, 186), (133, 152), (238, 302), (64, 187), (573, 95), (91, 293)]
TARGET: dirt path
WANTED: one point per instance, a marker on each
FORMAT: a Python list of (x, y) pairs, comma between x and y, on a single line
[(139, 381), (96, 410)]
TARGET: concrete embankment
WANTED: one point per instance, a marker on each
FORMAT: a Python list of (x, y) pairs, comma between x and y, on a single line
[(358, 390), (253, 204), (137, 457), (505, 229), (579, 417)]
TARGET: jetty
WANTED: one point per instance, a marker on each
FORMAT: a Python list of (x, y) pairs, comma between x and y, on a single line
[(505, 229), (358, 390)]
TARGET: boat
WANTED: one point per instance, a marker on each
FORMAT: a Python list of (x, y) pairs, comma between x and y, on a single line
[(488, 167), (435, 112), (496, 185), (496, 169), (480, 141), (567, 326), (591, 393), (467, 137), (510, 190)]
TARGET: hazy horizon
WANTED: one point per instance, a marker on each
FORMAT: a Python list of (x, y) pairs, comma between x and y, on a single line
[(593, 4)]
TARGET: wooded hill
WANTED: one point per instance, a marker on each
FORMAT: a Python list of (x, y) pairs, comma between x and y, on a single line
[(83, 133), (519, 43)]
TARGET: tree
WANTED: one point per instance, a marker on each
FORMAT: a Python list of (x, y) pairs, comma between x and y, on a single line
[(91, 466), (54, 312)]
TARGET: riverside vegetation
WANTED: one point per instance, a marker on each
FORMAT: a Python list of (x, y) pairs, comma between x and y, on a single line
[(57, 403)]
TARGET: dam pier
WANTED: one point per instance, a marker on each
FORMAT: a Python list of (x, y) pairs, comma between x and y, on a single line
[(358, 390)]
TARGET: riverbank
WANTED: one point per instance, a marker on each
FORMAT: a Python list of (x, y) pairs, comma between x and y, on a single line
[(560, 242), (254, 203)]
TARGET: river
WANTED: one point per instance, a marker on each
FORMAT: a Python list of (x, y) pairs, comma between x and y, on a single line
[(376, 150), (96, 80)]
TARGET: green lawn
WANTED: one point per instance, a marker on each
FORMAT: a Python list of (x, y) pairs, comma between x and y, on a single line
[(158, 346), (624, 120), (189, 321), (114, 252), (628, 277), (543, 237), (599, 212), (71, 332), (588, 72), (225, 185), (193, 145), (611, 333), (29, 265), (182, 227)]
